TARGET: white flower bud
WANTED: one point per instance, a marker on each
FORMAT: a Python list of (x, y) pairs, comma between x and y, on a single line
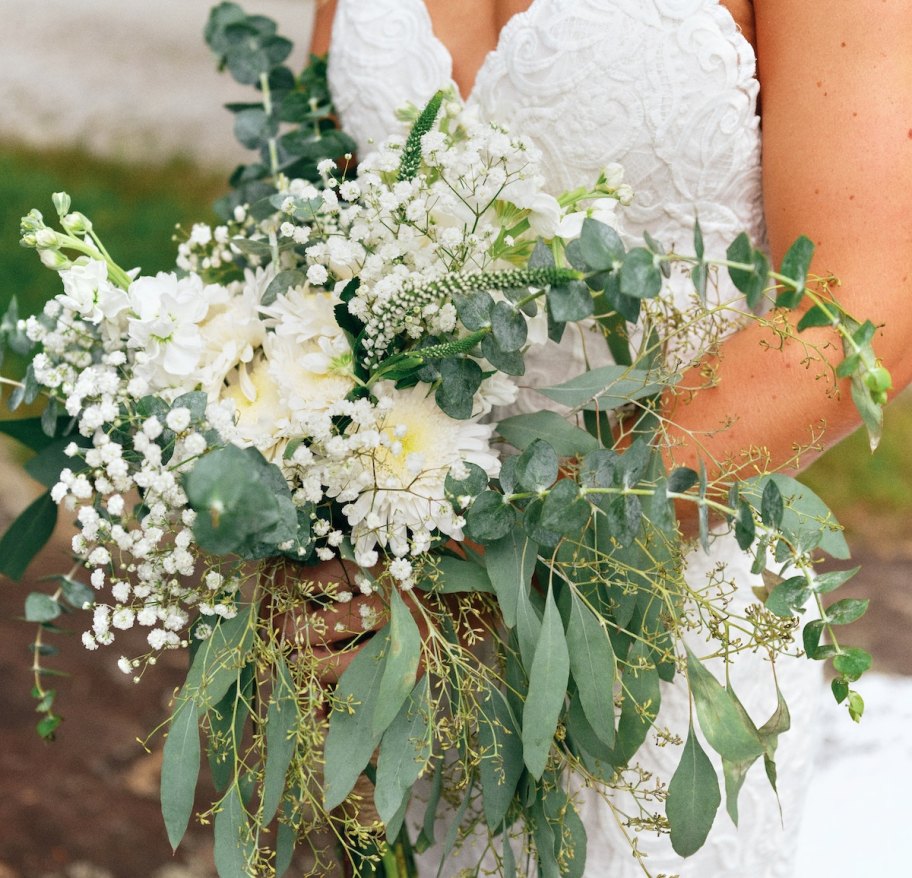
[(61, 203)]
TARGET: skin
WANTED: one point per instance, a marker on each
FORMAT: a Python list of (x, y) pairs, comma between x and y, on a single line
[(836, 83)]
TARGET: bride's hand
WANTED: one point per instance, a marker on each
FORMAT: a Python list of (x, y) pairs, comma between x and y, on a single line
[(334, 630)]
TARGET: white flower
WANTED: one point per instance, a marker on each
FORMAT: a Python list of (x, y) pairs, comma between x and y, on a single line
[(317, 274), (310, 377), (400, 569), (404, 475), (231, 332), (164, 327), (304, 314), (178, 419), (89, 293), (261, 418)]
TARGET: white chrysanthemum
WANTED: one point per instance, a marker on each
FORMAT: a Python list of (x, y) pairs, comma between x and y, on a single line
[(261, 419), (303, 314), (405, 474), (310, 376)]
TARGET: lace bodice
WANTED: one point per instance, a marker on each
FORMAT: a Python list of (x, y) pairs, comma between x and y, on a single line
[(664, 87), (667, 89)]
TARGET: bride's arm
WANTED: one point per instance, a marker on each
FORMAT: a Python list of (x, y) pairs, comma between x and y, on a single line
[(322, 28), (836, 83)]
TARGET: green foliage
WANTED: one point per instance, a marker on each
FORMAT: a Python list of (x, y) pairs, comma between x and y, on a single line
[(180, 770), (548, 676), (401, 665), (351, 739), (411, 152), (592, 664), (281, 723), (693, 798), (27, 536), (404, 752), (604, 388), (244, 505), (292, 123)]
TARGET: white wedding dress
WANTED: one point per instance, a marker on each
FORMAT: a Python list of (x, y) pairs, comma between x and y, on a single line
[(666, 88)]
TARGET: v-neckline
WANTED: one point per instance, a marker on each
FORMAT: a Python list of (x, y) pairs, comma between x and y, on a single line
[(511, 23)]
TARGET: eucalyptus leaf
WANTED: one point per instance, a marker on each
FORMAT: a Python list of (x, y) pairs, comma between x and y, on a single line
[(474, 310), (180, 770), (569, 302), (401, 666), (27, 536), (823, 583), (726, 728), (566, 439), (457, 576), (640, 276), (508, 326), (806, 520), (510, 563), (789, 596), (509, 362), (604, 388), (600, 245), (233, 847), (460, 377), (547, 688), (501, 756), (285, 845), (472, 485), (563, 510), (404, 752), (489, 518), (795, 266), (815, 316), (219, 660), (593, 666), (281, 722), (351, 739), (852, 662), (641, 700), (77, 593), (693, 798), (537, 466), (40, 607)]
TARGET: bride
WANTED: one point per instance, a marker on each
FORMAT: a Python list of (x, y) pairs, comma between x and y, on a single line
[(671, 89)]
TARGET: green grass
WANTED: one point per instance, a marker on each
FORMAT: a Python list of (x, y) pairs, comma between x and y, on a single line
[(857, 484)]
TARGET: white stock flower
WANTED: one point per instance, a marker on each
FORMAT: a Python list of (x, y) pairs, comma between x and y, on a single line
[(89, 293), (164, 327)]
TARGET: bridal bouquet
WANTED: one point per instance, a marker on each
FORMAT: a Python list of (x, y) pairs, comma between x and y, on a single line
[(319, 381)]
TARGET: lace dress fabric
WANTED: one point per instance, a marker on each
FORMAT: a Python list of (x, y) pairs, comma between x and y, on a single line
[(666, 88)]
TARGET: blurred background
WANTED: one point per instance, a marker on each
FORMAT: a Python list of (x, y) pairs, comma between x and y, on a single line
[(120, 105)]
